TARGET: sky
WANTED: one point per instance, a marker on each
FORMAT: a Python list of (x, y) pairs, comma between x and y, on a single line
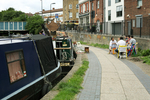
[(31, 6)]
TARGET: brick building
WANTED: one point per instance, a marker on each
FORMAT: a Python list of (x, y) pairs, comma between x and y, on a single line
[(137, 17), (70, 11), (90, 11)]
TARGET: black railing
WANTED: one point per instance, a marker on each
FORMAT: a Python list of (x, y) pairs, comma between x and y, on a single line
[(136, 27)]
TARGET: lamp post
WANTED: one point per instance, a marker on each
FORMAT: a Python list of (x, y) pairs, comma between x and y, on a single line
[(50, 9), (42, 7)]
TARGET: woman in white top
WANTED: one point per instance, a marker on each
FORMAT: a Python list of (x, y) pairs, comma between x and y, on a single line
[(112, 44)]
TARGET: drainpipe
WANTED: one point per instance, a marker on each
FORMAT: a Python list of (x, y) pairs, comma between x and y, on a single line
[(104, 8)]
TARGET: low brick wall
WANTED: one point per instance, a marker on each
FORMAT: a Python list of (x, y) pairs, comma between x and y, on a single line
[(143, 43)]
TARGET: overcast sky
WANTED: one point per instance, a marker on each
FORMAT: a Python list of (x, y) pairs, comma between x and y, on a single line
[(30, 5)]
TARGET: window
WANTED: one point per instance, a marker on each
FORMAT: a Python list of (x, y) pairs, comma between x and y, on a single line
[(77, 6), (98, 4), (92, 6), (70, 14), (87, 6), (70, 6), (81, 9), (16, 65), (139, 20), (109, 15), (139, 2), (133, 23), (119, 11), (109, 2), (117, 1), (77, 15)]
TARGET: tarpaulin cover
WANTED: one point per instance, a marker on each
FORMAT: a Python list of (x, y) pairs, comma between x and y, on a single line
[(46, 52)]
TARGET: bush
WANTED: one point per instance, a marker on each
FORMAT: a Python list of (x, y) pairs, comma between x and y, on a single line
[(145, 52)]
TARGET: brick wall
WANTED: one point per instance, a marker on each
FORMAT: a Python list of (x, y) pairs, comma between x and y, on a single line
[(132, 10), (98, 11), (66, 10)]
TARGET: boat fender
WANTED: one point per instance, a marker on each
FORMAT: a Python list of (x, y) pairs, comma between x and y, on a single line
[(46, 88)]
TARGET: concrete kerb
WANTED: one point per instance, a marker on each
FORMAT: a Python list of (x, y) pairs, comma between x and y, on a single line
[(78, 63)]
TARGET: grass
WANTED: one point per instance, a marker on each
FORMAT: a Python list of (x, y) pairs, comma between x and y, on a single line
[(146, 59), (143, 55), (67, 90), (104, 46)]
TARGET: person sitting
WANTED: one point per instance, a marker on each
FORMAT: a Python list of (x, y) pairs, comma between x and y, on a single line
[(121, 42), (112, 44)]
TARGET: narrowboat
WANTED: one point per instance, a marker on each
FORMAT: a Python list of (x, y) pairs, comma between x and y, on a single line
[(28, 67), (64, 52)]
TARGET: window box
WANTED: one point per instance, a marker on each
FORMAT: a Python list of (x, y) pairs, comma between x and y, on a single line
[(138, 7)]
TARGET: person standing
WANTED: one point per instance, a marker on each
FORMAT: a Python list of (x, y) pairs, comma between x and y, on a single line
[(132, 41), (132, 44), (112, 44)]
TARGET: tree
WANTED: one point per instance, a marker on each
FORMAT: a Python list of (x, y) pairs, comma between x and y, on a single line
[(34, 24), (9, 14), (22, 17), (11, 9)]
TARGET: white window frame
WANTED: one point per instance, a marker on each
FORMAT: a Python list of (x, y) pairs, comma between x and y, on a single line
[(109, 14), (70, 14), (77, 15), (98, 4), (139, 2), (118, 9), (116, 1), (83, 8), (138, 17), (70, 6), (77, 6), (87, 6), (92, 6), (109, 2)]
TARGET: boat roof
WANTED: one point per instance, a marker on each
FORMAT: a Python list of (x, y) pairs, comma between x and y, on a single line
[(12, 40), (21, 39)]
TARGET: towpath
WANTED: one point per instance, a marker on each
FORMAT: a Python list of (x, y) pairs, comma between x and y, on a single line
[(109, 78)]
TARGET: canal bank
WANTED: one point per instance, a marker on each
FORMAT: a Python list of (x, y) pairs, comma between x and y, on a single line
[(143, 43), (77, 65)]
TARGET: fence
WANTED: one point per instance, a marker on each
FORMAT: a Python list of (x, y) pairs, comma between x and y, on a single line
[(136, 27)]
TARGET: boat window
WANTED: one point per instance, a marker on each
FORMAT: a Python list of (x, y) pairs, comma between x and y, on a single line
[(16, 65)]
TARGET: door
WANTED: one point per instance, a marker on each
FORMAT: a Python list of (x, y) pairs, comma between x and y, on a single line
[(129, 28), (116, 28), (98, 26)]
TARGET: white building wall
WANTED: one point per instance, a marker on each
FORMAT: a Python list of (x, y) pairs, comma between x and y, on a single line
[(81, 1), (53, 14), (114, 17), (113, 10)]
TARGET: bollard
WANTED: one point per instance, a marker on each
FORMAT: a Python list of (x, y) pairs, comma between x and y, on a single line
[(86, 49)]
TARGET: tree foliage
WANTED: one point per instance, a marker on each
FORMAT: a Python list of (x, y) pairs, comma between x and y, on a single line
[(9, 14), (34, 24)]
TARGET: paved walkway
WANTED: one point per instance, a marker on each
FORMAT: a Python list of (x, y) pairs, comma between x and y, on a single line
[(108, 78)]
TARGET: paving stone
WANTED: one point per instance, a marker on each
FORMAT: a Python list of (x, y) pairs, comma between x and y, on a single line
[(113, 97), (108, 78)]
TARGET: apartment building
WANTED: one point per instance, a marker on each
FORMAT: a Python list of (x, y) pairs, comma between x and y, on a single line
[(114, 16), (70, 11)]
